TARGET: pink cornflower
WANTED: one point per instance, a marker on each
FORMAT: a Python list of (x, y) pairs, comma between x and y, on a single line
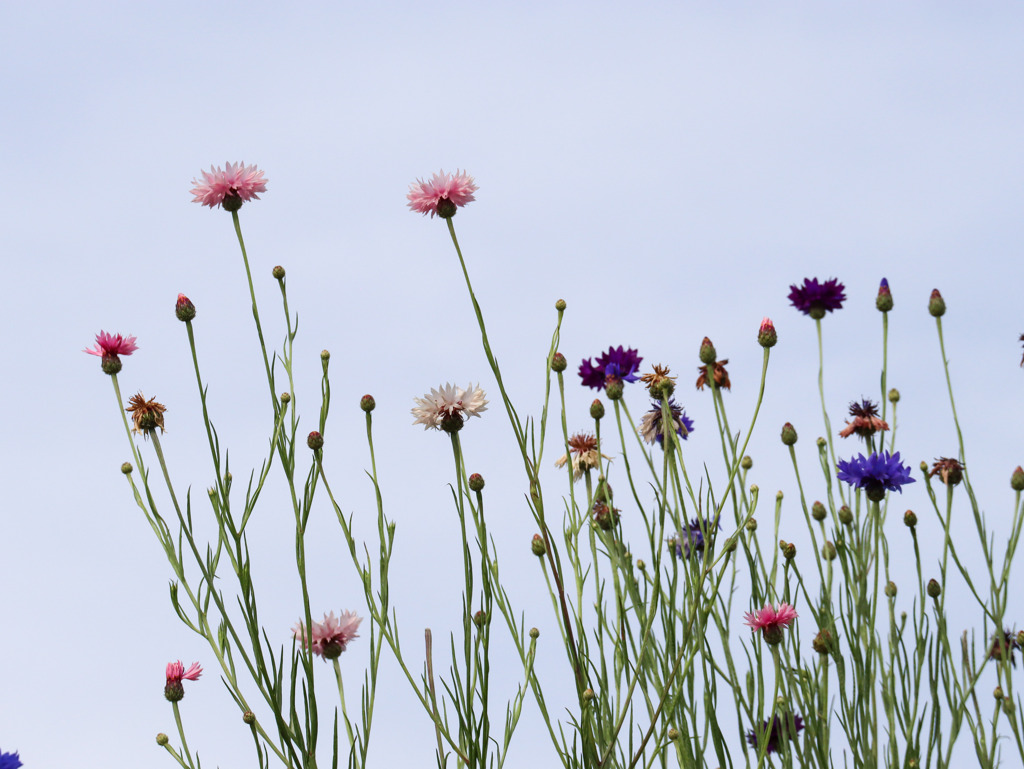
[(109, 347), (176, 672), (229, 188), (330, 637), (443, 194), (771, 622)]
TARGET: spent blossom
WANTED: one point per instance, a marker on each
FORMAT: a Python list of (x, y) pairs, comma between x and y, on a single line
[(721, 376), (443, 194), (147, 415), (876, 474), (176, 673), (949, 471), (448, 407), (237, 183), (651, 424), (815, 299), (330, 637), (866, 421), (770, 621), (584, 454)]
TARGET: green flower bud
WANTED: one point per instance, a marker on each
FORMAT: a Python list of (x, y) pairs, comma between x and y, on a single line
[(788, 549), (909, 519), (894, 395), (818, 511), (537, 546), (126, 468), (934, 588), (588, 694), (1017, 479), (476, 482), (315, 441), (325, 355), (707, 352), (560, 305), (367, 403), (788, 434), (162, 739), (673, 734), (613, 389), (534, 633), (828, 551), (278, 272), (746, 463), (752, 524), (558, 362), (845, 515), (249, 717), (596, 409), (890, 589), (936, 305)]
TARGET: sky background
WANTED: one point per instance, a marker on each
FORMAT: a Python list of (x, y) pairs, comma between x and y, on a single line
[(669, 170)]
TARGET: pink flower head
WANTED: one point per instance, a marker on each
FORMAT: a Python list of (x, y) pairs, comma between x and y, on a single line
[(109, 347), (771, 622), (176, 672), (330, 637), (766, 335), (229, 188), (443, 194)]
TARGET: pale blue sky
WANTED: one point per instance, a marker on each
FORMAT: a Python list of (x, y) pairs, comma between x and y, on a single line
[(669, 170)]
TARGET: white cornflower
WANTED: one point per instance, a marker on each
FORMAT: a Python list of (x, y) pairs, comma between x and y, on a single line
[(448, 407)]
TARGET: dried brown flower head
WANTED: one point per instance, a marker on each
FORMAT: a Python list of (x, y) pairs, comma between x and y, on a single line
[(721, 376), (950, 471), (866, 421), (656, 377), (146, 415), (584, 454)]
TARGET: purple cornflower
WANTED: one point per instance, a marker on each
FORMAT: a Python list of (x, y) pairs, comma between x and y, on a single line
[(619, 364), (815, 299), (692, 540), (775, 731), (876, 474), (9, 760), (651, 428)]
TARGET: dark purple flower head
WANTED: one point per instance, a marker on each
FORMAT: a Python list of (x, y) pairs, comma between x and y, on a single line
[(692, 541), (876, 474), (775, 731), (651, 428), (619, 364), (9, 760), (815, 299)]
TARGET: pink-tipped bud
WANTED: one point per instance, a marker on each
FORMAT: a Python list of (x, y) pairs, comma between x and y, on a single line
[(537, 546), (315, 441), (936, 304), (766, 335), (707, 352), (884, 299), (476, 482), (596, 409), (367, 403), (788, 434), (184, 309), (559, 363)]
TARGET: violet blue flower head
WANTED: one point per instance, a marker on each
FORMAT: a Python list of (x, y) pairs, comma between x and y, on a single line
[(815, 299), (9, 760), (692, 540), (619, 364), (774, 732), (876, 474), (651, 427)]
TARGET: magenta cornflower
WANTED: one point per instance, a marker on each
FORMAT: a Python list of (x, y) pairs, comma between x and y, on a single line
[(229, 188), (815, 299), (330, 637), (771, 622), (109, 347), (773, 732), (176, 673), (442, 194)]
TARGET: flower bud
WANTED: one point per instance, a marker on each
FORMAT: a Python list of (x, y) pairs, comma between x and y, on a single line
[(596, 409), (537, 546), (315, 441), (640, 564), (476, 482), (934, 588), (1020, 640), (821, 442), (325, 355), (828, 551), (936, 305), (249, 717), (1007, 706), (910, 519), (184, 309), (822, 642), (480, 618), (766, 336), (884, 300), (560, 305), (845, 515), (788, 549), (603, 491), (890, 589), (367, 403), (613, 389), (673, 734), (126, 468), (894, 396), (788, 434), (534, 633), (278, 272), (588, 694), (746, 463), (286, 397), (997, 693), (707, 352), (559, 363), (1017, 479), (778, 495), (924, 467), (751, 524), (162, 739), (818, 512)]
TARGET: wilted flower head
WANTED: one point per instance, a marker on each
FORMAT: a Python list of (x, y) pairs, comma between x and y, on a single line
[(448, 407), (651, 427), (950, 471), (770, 621), (176, 673), (721, 376), (866, 421), (147, 415), (876, 474), (691, 540), (815, 299), (656, 379), (584, 454), (331, 636), (443, 194), (229, 188), (1003, 645), (617, 365), (775, 731)]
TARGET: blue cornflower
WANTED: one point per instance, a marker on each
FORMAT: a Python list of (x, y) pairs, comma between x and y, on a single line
[(9, 760), (815, 299), (692, 540), (876, 474), (650, 425), (617, 365)]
